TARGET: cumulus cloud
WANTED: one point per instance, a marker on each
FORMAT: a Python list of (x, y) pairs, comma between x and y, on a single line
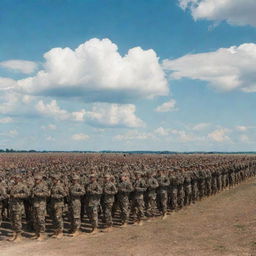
[(241, 128), (200, 127), (219, 135), (101, 114), (244, 138), (50, 138), (80, 137), (226, 69), (167, 106), (162, 131), (6, 120), (49, 127), (235, 12), (134, 135), (23, 66), (111, 115), (95, 71), (7, 83), (52, 109)]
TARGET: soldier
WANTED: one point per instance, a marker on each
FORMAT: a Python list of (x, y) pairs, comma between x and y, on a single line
[(140, 187), (187, 188), (173, 191), (194, 185), (39, 194), (94, 191), (162, 192), (124, 189), (58, 193), (181, 192), (208, 182), (201, 183), (76, 191), (18, 192), (109, 191), (152, 185), (3, 196)]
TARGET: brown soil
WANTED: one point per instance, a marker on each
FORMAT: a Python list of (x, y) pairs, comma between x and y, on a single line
[(224, 224)]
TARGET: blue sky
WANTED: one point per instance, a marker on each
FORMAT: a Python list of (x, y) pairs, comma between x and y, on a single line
[(128, 75)]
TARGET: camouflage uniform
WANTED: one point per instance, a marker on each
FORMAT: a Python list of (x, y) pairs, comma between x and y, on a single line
[(76, 191), (173, 192), (58, 192), (181, 192), (194, 184), (39, 194), (138, 205), (94, 191), (3, 196), (152, 185), (109, 191), (187, 188), (18, 192), (162, 192), (124, 189)]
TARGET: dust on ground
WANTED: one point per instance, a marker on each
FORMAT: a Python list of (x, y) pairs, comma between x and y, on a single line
[(224, 224)]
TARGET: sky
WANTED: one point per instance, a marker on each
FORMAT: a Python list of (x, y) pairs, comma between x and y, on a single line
[(176, 75)]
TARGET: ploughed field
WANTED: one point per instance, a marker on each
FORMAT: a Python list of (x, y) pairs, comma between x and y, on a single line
[(221, 223)]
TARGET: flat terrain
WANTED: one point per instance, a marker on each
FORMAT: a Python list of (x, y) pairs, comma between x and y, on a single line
[(224, 224)]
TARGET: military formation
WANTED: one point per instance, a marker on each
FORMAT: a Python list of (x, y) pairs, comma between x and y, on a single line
[(96, 189)]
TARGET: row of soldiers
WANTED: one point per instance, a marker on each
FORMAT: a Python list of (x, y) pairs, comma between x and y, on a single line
[(135, 195)]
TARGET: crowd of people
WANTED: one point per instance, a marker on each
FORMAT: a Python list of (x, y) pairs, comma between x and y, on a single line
[(99, 187)]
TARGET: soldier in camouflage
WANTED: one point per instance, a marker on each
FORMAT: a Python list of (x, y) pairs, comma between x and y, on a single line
[(76, 191), (39, 194), (108, 197)]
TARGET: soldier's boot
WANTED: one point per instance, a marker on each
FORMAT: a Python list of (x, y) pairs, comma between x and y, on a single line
[(17, 238), (124, 224), (13, 237), (59, 234), (108, 229), (41, 237), (94, 231), (76, 233), (164, 216)]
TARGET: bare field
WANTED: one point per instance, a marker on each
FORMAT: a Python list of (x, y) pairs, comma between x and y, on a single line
[(224, 224)]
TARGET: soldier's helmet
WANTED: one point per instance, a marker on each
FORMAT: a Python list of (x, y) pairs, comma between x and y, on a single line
[(107, 175), (38, 177), (75, 177), (55, 176)]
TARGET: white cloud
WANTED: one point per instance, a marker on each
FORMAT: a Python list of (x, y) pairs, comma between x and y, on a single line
[(134, 135), (80, 137), (244, 138), (219, 135), (97, 72), (226, 69), (184, 136), (167, 106), (102, 114), (22, 66), (161, 131), (52, 109), (50, 138), (236, 12), (200, 127), (242, 128), (111, 115), (6, 120), (8, 102), (49, 127), (7, 83)]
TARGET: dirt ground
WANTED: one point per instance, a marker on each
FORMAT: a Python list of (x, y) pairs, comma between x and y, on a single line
[(224, 224)]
